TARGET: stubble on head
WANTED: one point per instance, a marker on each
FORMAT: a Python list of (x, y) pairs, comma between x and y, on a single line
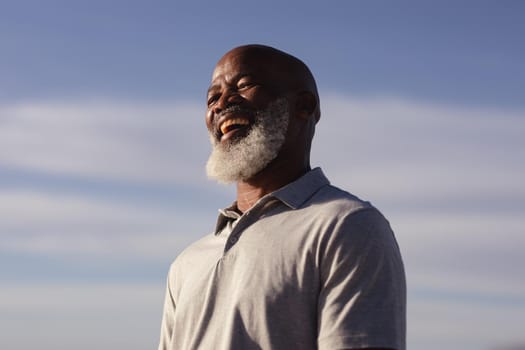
[(240, 159)]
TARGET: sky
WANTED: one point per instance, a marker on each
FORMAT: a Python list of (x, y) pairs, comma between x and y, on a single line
[(103, 146)]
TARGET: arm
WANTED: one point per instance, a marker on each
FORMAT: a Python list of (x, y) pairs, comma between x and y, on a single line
[(166, 330), (363, 293)]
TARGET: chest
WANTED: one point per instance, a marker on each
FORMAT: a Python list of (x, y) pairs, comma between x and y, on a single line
[(268, 266)]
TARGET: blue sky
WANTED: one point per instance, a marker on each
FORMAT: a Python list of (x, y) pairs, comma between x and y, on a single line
[(102, 147), (460, 52)]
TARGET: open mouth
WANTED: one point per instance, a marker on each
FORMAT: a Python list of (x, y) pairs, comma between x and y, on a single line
[(231, 127)]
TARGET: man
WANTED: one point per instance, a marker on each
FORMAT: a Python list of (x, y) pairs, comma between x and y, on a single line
[(294, 263)]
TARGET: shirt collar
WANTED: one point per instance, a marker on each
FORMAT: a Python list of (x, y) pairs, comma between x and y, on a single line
[(293, 195), (296, 193), (225, 215)]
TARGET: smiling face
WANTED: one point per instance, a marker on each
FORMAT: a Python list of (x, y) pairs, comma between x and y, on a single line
[(262, 107), (242, 83), (247, 117), (240, 158)]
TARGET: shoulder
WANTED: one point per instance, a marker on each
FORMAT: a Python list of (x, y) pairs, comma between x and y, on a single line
[(204, 249), (349, 218), (330, 199)]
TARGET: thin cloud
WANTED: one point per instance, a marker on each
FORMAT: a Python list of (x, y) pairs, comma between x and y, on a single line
[(145, 143), (448, 178), (60, 314), (393, 147), (51, 224)]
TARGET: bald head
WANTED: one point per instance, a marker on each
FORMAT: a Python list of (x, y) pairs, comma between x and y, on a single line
[(286, 72), (267, 96)]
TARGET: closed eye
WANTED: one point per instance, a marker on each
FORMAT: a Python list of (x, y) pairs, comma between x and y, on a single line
[(212, 99), (244, 85)]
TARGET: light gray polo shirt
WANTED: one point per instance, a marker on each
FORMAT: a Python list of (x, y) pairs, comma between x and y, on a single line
[(308, 267)]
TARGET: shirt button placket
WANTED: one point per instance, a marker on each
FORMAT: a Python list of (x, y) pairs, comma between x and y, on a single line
[(240, 227)]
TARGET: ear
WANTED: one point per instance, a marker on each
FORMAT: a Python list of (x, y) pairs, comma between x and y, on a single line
[(306, 105)]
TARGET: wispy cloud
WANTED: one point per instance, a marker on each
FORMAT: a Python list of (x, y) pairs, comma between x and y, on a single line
[(452, 324), (69, 225), (392, 147), (152, 143), (116, 316), (121, 181)]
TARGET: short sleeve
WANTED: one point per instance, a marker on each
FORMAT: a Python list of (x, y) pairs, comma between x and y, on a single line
[(362, 300)]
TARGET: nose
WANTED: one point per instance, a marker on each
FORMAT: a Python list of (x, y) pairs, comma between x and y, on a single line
[(228, 98)]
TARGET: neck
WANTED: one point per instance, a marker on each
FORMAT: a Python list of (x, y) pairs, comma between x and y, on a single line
[(273, 177)]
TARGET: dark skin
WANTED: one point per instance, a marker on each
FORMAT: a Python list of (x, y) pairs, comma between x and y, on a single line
[(252, 77)]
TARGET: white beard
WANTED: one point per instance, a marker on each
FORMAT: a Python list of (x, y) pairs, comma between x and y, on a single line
[(239, 160)]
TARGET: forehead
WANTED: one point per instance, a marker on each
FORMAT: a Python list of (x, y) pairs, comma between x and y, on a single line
[(240, 63)]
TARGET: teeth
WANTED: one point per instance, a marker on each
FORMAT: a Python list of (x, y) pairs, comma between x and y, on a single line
[(230, 122)]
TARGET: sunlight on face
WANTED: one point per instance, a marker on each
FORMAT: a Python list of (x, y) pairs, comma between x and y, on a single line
[(241, 159)]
